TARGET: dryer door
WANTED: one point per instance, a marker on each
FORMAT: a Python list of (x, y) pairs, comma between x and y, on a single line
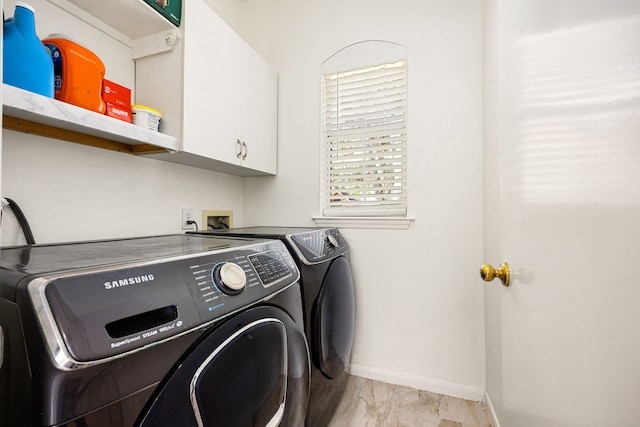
[(238, 374), (334, 320)]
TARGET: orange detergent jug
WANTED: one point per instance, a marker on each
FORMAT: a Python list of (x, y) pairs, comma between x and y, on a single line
[(78, 73)]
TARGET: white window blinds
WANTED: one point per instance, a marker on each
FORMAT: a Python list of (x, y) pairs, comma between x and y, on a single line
[(364, 114)]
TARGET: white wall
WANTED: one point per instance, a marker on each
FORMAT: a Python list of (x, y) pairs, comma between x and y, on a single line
[(73, 192), (418, 295)]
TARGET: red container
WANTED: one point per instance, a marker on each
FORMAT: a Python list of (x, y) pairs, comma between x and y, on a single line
[(118, 112), (116, 94)]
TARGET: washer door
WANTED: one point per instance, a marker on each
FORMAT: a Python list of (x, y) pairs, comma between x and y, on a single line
[(334, 320), (237, 375)]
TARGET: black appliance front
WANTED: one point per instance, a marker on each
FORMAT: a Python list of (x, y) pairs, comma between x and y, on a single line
[(329, 307), (237, 375), (190, 331)]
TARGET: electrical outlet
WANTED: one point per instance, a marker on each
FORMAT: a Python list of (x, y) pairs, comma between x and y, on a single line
[(187, 215)]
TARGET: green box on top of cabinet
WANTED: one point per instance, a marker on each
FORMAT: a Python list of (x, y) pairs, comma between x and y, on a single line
[(170, 9)]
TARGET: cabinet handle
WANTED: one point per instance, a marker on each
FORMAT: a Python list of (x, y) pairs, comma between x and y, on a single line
[(239, 145), (246, 150)]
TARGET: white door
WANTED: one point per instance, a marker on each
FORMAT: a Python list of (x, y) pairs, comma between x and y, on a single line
[(562, 182)]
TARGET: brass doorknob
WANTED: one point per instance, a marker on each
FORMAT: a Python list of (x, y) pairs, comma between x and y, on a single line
[(488, 273)]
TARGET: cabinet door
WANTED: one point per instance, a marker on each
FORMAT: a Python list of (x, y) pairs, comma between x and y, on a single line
[(211, 84), (259, 112)]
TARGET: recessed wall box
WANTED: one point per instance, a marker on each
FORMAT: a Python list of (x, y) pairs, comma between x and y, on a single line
[(217, 219)]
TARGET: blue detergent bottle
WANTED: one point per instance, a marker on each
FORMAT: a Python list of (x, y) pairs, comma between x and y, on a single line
[(26, 62)]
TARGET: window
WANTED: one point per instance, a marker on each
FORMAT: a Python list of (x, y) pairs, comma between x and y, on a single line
[(364, 133)]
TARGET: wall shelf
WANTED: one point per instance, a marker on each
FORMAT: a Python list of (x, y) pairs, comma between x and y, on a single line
[(29, 112)]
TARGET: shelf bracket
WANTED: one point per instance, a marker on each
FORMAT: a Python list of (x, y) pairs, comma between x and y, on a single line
[(164, 41)]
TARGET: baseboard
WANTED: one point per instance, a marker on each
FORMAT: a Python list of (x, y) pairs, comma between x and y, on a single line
[(492, 412), (435, 386)]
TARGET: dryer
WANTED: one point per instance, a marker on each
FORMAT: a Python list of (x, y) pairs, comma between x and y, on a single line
[(164, 330), (322, 257)]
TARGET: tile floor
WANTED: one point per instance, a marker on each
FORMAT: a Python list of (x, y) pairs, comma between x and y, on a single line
[(368, 403)]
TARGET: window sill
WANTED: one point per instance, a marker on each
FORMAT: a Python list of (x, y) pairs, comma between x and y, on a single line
[(397, 223)]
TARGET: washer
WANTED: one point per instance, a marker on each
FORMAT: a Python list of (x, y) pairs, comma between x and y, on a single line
[(165, 330), (328, 299)]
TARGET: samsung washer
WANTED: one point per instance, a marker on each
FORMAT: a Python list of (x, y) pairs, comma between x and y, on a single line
[(165, 330), (329, 308)]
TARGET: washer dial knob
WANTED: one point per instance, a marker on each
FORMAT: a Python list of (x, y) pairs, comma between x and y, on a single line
[(332, 240), (230, 278)]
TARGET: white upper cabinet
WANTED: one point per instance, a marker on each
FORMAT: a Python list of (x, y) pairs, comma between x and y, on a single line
[(212, 85), (259, 112), (228, 98)]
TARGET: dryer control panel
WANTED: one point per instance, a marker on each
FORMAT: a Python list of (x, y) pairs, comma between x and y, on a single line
[(319, 245), (87, 317)]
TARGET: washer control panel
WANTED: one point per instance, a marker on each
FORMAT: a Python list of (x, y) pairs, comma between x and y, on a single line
[(232, 280), (101, 314)]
